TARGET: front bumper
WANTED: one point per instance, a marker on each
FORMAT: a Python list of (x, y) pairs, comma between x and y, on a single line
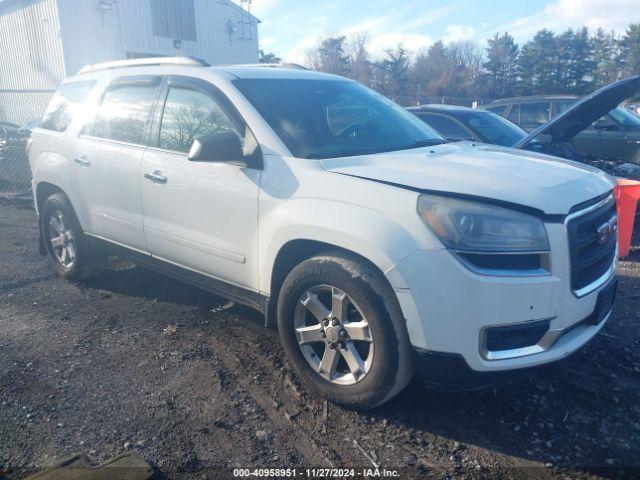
[(448, 307)]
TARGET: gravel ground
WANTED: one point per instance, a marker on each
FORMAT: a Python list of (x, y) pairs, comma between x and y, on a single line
[(135, 361)]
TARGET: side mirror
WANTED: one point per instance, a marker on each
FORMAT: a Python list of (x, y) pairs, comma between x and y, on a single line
[(602, 124), (217, 147)]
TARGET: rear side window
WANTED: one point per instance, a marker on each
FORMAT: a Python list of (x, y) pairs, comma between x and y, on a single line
[(446, 126), (124, 113), (65, 104), (532, 115), (189, 113)]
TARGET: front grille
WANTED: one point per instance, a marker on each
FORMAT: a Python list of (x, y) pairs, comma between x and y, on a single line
[(590, 257)]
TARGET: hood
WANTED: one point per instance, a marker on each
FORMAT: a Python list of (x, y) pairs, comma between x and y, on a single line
[(583, 113), (534, 180)]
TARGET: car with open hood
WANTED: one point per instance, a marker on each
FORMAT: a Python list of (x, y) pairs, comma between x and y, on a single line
[(377, 248), (594, 127)]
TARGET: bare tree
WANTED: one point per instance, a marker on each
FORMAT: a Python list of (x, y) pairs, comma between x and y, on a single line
[(359, 62), (393, 72), (329, 56)]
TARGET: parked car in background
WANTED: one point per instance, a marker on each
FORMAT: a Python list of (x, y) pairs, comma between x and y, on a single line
[(463, 123), (613, 136), (377, 247), (633, 108), (556, 136)]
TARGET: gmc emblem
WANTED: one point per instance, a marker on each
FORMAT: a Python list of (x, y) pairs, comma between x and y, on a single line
[(607, 230)]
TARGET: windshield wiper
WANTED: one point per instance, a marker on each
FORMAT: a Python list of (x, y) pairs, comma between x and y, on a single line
[(371, 151), (431, 142)]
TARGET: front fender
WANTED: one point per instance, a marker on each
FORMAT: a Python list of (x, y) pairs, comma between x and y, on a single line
[(366, 232)]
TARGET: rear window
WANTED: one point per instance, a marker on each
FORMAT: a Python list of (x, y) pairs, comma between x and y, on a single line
[(498, 109), (65, 104), (448, 127), (492, 128)]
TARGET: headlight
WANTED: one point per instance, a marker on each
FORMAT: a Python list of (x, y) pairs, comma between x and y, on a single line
[(465, 225)]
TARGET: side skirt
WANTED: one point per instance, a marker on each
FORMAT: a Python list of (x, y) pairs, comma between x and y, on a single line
[(218, 287)]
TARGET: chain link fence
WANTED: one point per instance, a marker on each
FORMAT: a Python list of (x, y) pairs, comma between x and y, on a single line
[(19, 111), (415, 100)]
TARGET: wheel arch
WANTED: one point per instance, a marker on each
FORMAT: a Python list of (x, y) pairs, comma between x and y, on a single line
[(297, 250), (43, 191)]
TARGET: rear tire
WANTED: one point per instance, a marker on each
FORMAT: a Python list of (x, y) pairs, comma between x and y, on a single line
[(67, 247), (341, 327)]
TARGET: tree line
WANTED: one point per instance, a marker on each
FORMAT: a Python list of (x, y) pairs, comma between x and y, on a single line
[(573, 62)]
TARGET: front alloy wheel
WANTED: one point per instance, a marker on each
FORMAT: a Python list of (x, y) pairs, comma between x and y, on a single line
[(343, 331), (334, 335)]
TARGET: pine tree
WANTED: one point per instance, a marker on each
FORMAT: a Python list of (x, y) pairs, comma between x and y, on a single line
[(502, 56), (630, 46), (538, 64), (605, 53)]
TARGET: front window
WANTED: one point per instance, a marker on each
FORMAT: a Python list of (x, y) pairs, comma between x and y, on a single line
[(187, 114), (330, 118), (617, 115), (492, 128), (625, 118)]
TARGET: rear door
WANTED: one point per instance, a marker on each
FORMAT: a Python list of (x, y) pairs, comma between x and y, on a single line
[(110, 150), (199, 215)]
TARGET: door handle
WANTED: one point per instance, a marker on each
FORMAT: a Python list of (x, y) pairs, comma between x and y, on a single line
[(156, 177), (82, 161)]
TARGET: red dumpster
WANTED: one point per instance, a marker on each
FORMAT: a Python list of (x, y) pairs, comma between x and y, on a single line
[(627, 195)]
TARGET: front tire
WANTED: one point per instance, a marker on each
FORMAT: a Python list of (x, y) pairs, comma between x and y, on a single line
[(342, 330), (68, 249)]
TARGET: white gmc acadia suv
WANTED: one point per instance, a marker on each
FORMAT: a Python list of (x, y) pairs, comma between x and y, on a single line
[(376, 247)]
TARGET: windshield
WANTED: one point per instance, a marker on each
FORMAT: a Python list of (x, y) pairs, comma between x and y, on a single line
[(492, 128), (625, 117), (330, 118)]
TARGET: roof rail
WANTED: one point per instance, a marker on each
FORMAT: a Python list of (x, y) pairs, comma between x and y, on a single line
[(271, 65), (144, 62)]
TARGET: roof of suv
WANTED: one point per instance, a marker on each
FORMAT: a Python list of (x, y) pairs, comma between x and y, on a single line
[(433, 107), (160, 65), (256, 71), (531, 98)]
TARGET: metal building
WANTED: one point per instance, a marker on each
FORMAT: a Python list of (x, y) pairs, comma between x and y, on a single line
[(44, 41)]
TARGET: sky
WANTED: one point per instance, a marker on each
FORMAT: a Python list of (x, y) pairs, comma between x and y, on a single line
[(290, 27)]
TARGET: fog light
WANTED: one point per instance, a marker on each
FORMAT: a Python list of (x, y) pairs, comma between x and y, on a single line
[(511, 337)]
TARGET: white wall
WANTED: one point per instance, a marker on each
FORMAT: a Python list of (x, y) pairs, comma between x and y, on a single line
[(127, 27), (44, 41), (31, 60)]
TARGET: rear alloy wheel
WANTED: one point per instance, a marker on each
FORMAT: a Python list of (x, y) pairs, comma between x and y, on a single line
[(61, 239), (68, 248), (342, 330), (334, 335)]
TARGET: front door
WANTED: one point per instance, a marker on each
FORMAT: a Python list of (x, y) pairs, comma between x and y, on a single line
[(109, 153), (199, 215)]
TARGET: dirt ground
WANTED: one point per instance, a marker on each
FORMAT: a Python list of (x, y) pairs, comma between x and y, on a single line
[(135, 361)]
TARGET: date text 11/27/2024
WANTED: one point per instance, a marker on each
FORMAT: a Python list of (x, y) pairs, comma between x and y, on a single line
[(315, 473)]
